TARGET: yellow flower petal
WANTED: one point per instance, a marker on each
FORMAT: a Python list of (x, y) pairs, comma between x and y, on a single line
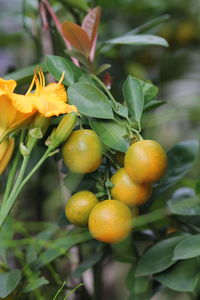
[(10, 117), (7, 86), (7, 155), (51, 101), (24, 103)]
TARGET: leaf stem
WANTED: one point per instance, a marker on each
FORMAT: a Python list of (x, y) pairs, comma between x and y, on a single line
[(12, 171)]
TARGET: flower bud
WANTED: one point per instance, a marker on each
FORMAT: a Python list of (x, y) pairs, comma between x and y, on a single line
[(40, 122), (61, 133), (6, 151)]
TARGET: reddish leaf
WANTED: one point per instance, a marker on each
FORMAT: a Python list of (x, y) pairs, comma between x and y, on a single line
[(77, 37), (90, 24)]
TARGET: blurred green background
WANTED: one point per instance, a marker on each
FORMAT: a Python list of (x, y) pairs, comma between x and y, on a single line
[(175, 70)]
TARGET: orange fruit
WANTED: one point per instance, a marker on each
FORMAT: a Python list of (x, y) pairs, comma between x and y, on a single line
[(127, 191), (79, 206), (145, 161), (82, 152), (110, 221)]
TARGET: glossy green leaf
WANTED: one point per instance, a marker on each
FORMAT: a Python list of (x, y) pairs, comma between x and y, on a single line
[(87, 263), (9, 281), (111, 133), (158, 258), (90, 101), (35, 284), (188, 248), (180, 161), (185, 206), (61, 246), (57, 65), (183, 277), (139, 39), (134, 98), (150, 91)]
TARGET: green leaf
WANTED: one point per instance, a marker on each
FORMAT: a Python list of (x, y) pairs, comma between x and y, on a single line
[(88, 263), (120, 109), (124, 251), (56, 65), (153, 104), (9, 281), (61, 246), (35, 284), (90, 101), (111, 133), (158, 258), (150, 91), (185, 206), (149, 25), (183, 277), (134, 98), (180, 161), (25, 75), (139, 39), (188, 248)]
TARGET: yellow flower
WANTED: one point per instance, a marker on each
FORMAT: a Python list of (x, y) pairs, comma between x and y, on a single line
[(10, 117), (6, 150), (17, 110), (48, 100)]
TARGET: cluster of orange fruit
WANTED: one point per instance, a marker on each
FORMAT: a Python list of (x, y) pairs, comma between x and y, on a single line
[(111, 220)]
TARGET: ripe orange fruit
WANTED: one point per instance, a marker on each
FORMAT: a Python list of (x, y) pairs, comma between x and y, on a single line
[(79, 206), (127, 191), (82, 152), (110, 221), (145, 161)]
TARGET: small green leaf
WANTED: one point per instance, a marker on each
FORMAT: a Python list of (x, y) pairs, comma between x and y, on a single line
[(158, 258), (139, 39), (90, 101), (120, 109), (183, 277), (188, 248), (9, 281), (134, 98), (35, 284), (111, 133), (56, 65), (88, 263)]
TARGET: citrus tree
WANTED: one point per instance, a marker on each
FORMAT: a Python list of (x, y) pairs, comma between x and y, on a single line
[(115, 187)]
